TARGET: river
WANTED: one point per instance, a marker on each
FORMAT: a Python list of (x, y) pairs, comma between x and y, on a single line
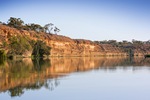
[(75, 78)]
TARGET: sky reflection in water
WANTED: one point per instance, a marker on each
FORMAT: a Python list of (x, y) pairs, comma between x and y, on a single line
[(75, 79)]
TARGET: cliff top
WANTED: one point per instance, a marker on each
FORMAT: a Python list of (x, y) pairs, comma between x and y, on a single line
[(6, 31)]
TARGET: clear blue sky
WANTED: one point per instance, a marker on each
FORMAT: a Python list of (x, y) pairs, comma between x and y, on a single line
[(87, 19)]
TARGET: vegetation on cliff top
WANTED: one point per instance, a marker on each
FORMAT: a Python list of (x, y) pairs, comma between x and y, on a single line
[(22, 45), (19, 24)]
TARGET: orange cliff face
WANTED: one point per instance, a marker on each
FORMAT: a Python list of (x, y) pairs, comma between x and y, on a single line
[(60, 45)]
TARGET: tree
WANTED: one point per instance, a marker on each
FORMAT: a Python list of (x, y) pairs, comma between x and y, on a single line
[(15, 22), (40, 49), (48, 27), (56, 30), (19, 24), (37, 28), (18, 41), (34, 27)]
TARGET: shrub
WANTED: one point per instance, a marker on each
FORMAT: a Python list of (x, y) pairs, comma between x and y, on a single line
[(41, 49), (18, 45)]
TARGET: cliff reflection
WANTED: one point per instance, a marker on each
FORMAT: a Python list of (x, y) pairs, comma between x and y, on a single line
[(17, 76)]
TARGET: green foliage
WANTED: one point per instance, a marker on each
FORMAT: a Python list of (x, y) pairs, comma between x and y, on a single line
[(18, 45), (25, 44), (15, 22), (34, 27), (5, 44), (48, 28), (32, 43), (2, 54), (19, 24), (41, 49), (56, 30)]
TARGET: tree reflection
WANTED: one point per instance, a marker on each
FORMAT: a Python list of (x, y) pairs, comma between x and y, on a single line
[(48, 84), (26, 74), (17, 91), (40, 64), (51, 84), (17, 76), (2, 62)]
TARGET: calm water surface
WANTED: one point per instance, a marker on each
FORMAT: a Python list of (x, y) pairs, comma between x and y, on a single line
[(94, 78)]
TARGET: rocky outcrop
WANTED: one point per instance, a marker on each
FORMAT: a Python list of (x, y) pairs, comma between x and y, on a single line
[(140, 50), (60, 45)]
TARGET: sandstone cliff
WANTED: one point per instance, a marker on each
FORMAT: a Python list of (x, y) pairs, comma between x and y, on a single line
[(60, 45)]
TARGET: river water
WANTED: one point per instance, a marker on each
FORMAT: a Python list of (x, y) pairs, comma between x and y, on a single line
[(75, 78)]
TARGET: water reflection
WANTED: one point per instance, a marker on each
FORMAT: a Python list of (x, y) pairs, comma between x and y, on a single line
[(17, 76)]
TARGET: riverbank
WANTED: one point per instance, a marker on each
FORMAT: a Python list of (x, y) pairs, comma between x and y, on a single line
[(26, 43)]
